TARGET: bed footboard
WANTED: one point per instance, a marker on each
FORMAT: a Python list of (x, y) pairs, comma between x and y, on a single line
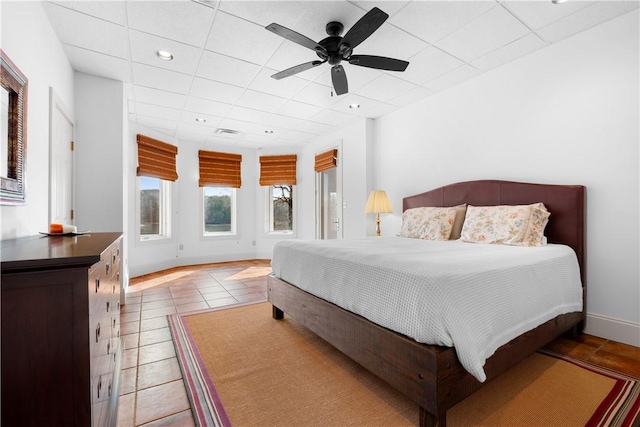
[(431, 376)]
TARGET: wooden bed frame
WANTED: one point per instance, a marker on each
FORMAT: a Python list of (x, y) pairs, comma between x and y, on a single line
[(431, 375)]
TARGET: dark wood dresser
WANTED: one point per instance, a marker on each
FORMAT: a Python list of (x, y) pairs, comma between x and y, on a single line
[(60, 330)]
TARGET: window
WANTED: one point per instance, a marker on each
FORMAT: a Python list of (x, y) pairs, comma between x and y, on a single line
[(280, 209), (218, 211), (154, 209)]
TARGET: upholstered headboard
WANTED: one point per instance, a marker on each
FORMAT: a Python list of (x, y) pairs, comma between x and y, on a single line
[(567, 204)]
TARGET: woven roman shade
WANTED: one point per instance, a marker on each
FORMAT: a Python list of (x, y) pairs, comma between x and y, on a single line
[(276, 170), (326, 160), (219, 169), (156, 159)]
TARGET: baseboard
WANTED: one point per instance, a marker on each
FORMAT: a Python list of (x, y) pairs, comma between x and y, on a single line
[(613, 329), (141, 270)]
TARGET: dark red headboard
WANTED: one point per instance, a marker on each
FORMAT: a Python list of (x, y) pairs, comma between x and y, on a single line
[(567, 204)]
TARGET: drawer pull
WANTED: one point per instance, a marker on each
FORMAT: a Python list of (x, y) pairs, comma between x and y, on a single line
[(113, 289), (107, 306), (114, 322), (107, 266), (99, 386), (109, 347), (97, 284), (98, 332), (114, 258), (109, 387)]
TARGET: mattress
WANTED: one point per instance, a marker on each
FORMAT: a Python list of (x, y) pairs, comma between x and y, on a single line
[(473, 297)]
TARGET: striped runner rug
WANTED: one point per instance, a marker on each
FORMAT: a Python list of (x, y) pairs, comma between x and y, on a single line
[(243, 368)]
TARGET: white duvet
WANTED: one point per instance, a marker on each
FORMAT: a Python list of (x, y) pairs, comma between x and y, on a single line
[(473, 297)]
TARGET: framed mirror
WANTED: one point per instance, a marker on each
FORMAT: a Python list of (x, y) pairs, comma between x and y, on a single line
[(13, 132)]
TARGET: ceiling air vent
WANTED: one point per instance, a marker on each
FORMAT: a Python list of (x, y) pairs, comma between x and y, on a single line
[(222, 131)]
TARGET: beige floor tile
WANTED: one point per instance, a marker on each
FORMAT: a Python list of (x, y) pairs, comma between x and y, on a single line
[(155, 352), (155, 323), (156, 373), (182, 419), (126, 410), (161, 401), (154, 336)]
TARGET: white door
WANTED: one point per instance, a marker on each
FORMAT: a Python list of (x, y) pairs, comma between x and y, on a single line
[(61, 186), (329, 203)]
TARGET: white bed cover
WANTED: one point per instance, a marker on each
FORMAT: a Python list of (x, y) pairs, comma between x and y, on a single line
[(474, 297)]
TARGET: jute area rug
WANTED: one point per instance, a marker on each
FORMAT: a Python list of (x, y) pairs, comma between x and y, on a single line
[(241, 367)]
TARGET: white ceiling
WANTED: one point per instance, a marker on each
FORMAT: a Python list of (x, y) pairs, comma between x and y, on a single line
[(224, 57)]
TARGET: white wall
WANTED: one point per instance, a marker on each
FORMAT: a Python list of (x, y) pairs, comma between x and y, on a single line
[(568, 114), (30, 42), (99, 153)]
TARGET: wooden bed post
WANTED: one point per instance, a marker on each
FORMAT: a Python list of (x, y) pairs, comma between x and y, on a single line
[(277, 313), (429, 420)]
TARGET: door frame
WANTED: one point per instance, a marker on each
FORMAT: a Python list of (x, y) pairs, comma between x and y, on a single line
[(318, 196), (56, 103)]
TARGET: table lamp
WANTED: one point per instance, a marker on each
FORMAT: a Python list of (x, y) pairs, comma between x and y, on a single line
[(378, 203)]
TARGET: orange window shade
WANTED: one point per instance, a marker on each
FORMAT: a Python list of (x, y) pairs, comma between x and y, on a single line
[(276, 170), (219, 169), (326, 160), (156, 159)]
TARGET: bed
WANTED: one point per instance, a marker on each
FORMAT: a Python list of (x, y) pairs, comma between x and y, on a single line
[(432, 375)]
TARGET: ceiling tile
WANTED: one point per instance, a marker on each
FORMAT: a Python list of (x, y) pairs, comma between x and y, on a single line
[(189, 118), (298, 109), (225, 69), (411, 97), (248, 114), (159, 97), (357, 76), (260, 101), (389, 7), (454, 77), (429, 64), (241, 39), (493, 30), (184, 21), (156, 123), (432, 20), (585, 18), (284, 88), (317, 94), (285, 13), (331, 117), (207, 106), (367, 105), (237, 125), (319, 13), (193, 131), (80, 30), (158, 112), (538, 14), (112, 11), (385, 87), (97, 64), (204, 88), (514, 50), (144, 47), (158, 78)]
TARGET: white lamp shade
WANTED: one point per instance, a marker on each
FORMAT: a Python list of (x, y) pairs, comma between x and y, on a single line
[(378, 203)]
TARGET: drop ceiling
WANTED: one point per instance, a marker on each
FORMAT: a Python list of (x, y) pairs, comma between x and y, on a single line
[(224, 57)]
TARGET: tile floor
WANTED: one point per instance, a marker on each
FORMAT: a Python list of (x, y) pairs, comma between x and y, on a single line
[(151, 389)]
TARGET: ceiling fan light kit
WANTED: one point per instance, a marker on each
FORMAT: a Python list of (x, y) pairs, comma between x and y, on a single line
[(335, 49)]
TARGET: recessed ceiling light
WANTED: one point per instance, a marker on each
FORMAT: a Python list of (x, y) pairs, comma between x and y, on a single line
[(268, 131), (201, 120), (164, 55), (354, 106)]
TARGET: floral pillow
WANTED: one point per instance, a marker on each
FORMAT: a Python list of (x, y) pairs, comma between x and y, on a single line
[(428, 223), (509, 225)]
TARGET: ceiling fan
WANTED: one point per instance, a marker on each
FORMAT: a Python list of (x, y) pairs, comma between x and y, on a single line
[(335, 49)]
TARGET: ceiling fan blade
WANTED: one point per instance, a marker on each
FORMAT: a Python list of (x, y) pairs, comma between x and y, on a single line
[(294, 36), (362, 29), (379, 62), (297, 69), (339, 79)]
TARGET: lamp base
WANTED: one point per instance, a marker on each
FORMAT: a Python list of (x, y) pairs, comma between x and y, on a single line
[(378, 225)]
